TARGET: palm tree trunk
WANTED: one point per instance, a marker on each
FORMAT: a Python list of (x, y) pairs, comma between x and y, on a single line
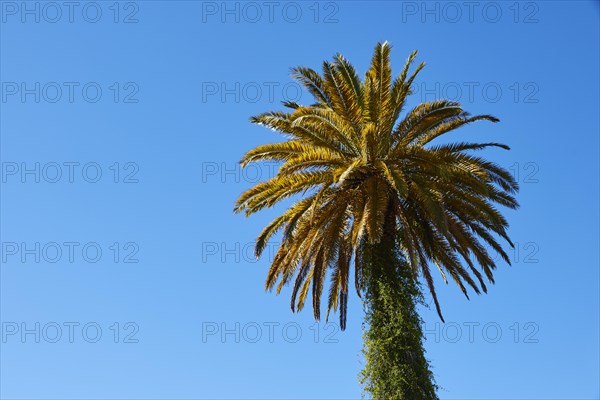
[(395, 363)]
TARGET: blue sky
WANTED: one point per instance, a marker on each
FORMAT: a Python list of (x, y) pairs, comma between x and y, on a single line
[(125, 273)]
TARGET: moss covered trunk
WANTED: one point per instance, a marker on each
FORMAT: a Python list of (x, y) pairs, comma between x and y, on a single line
[(395, 363)]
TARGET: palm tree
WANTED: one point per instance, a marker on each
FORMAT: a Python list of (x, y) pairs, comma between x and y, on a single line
[(377, 197)]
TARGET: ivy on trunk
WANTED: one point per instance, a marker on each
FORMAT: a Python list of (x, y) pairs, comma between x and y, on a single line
[(396, 367)]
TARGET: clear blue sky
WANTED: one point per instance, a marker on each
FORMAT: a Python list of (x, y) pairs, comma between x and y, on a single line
[(158, 103)]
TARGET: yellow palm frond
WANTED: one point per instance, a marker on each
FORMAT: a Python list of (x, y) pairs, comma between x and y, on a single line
[(369, 174)]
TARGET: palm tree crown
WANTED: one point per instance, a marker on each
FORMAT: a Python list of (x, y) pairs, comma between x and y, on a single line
[(367, 174)]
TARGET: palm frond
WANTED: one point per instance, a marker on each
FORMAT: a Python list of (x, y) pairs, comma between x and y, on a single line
[(367, 174)]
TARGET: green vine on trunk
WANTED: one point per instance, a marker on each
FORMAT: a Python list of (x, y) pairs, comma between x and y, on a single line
[(396, 367)]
